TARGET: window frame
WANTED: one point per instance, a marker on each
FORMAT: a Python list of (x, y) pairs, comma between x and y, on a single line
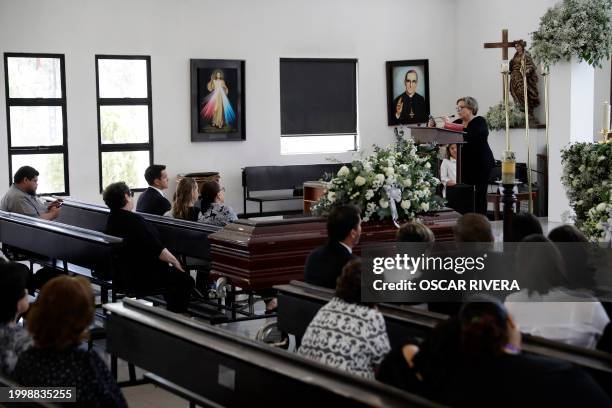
[(61, 102), (355, 135), (148, 101)]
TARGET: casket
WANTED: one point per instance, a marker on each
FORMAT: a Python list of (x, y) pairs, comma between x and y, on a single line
[(259, 253)]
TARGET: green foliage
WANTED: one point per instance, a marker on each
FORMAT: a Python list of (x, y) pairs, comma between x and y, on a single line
[(587, 177), (580, 28), (496, 116)]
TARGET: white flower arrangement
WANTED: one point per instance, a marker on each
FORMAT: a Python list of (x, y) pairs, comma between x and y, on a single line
[(580, 28), (395, 178), (496, 116), (587, 177)]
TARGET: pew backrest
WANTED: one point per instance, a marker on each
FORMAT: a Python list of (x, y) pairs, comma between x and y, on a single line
[(298, 302), (230, 370)]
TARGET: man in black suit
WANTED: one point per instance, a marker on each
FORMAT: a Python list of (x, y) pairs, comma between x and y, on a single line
[(325, 263), (152, 200)]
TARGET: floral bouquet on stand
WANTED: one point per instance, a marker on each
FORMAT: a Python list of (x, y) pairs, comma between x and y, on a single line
[(395, 183), (587, 177)]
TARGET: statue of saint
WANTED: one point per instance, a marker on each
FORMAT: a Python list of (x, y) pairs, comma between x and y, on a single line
[(516, 79)]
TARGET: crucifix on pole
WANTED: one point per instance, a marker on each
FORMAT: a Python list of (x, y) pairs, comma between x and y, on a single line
[(504, 44)]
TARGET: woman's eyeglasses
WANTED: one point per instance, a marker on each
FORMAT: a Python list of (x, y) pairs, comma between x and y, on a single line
[(131, 193)]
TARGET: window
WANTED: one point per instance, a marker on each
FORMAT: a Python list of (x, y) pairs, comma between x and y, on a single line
[(125, 124), (36, 118), (318, 105)]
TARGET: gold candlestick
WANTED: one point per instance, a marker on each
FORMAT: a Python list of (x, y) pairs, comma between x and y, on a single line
[(527, 139)]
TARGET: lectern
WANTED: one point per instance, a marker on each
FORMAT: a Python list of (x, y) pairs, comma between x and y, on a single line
[(439, 136)]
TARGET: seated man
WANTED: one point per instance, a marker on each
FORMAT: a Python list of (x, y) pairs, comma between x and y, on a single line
[(21, 197), (324, 264), (145, 263), (152, 200)]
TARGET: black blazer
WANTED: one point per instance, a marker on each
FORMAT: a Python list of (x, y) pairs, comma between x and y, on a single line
[(324, 264), (139, 257), (477, 159), (151, 202)]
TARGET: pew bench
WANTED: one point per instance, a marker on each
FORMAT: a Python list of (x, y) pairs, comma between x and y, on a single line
[(281, 183), (298, 302), (233, 370)]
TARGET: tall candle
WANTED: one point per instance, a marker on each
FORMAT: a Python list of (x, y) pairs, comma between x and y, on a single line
[(606, 117)]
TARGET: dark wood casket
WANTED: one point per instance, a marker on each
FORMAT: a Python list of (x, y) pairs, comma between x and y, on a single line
[(260, 253)]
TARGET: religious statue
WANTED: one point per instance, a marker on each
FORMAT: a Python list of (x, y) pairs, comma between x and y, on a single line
[(516, 79)]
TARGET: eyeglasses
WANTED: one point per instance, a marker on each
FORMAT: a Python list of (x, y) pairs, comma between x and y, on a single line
[(131, 193), (222, 189), (459, 108)]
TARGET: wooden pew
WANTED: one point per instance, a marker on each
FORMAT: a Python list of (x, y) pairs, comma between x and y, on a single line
[(223, 369), (298, 302), (92, 250), (183, 238)]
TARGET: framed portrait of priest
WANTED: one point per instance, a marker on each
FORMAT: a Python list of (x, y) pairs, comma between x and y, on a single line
[(217, 100), (407, 92)]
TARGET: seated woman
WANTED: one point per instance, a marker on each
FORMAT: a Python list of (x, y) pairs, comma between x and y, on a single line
[(475, 360), (346, 333), (145, 263), (14, 339), (214, 211), (58, 323), (545, 306), (184, 199), (524, 224), (448, 169)]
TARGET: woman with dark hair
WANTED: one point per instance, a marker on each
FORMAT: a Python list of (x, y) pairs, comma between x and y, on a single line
[(475, 360), (545, 306), (184, 199), (14, 339), (448, 168), (346, 333), (522, 225), (214, 211), (58, 323), (145, 263)]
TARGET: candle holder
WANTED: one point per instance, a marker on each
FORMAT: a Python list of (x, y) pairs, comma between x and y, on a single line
[(509, 201)]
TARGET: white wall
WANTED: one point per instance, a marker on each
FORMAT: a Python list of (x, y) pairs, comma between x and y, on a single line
[(450, 33), (260, 32)]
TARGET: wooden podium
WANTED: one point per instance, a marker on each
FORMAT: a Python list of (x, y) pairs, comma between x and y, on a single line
[(439, 136)]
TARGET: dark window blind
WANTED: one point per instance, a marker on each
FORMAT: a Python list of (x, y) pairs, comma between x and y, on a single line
[(318, 96)]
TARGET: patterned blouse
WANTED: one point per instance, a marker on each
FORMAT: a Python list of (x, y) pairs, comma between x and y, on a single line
[(347, 336), (13, 341), (74, 367), (218, 214)]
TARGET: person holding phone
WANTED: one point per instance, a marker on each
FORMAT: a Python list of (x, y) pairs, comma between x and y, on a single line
[(21, 197)]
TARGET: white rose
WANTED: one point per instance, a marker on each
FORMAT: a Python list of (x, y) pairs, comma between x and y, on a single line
[(601, 207), (369, 194), (407, 182), (590, 190), (425, 206), (405, 204), (383, 203), (601, 158), (344, 171), (331, 196), (428, 165), (380, 178), (389, 171), (360, 181)]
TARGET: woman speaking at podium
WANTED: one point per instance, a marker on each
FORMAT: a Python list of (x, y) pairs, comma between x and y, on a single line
[(476, 155)]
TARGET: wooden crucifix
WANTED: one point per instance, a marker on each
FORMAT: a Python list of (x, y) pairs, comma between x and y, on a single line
[(504, 44)]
